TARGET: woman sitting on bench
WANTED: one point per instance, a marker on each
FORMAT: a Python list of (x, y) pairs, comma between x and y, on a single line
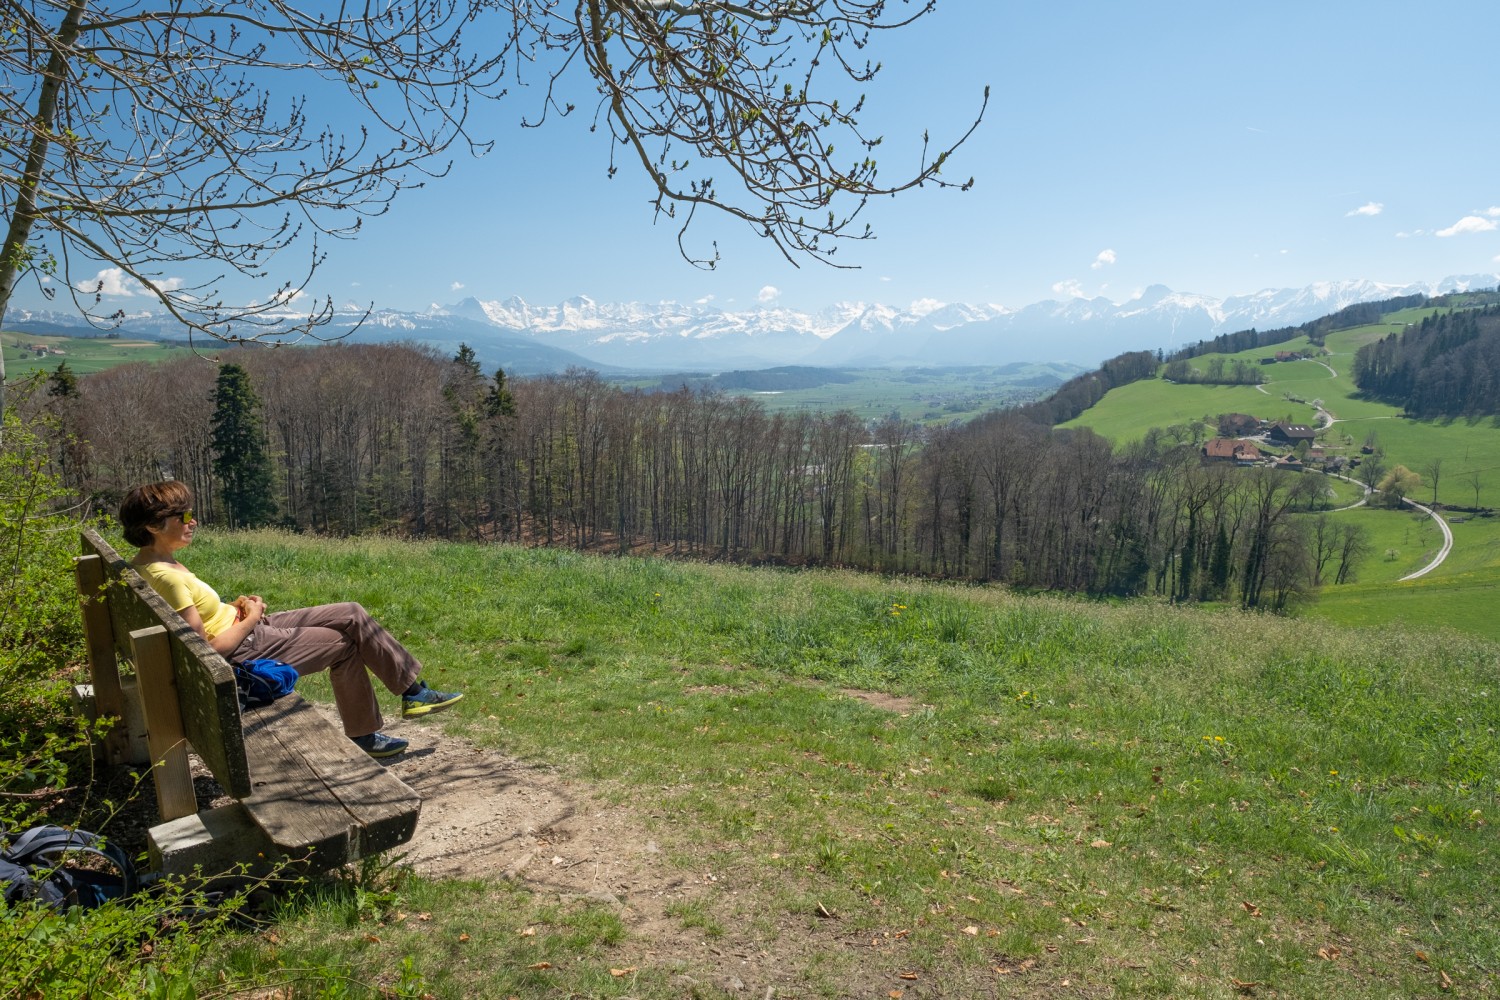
[(340, 638)]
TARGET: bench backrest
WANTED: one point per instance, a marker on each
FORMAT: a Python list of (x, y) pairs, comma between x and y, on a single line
[(206, 691)]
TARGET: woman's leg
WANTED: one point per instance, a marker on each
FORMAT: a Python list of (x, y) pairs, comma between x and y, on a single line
[(342, 639)]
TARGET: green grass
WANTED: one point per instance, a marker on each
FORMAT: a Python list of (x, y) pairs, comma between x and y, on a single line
[(1136, 799), (83, 355)]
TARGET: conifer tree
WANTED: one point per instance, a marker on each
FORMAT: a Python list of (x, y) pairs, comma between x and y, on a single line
[(240, 459)]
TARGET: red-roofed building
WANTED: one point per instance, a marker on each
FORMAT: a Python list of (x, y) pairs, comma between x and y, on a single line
[(1230, 450)]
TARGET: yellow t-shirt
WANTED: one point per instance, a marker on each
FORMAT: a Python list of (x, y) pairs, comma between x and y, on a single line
[(180, 588)]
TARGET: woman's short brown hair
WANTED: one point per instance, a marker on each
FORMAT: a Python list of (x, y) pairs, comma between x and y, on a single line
[(151, 505)]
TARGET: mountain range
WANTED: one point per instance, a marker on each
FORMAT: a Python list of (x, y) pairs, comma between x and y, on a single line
[(672, 336)]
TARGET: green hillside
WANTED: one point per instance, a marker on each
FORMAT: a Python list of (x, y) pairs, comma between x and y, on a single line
[(1453, 595), (870, 784)]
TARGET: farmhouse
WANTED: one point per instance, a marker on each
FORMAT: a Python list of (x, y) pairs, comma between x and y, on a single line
[(1238, 424), (1230, 450), (1284, 433)]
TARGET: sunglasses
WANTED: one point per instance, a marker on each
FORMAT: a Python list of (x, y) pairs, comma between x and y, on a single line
[(187, 516)]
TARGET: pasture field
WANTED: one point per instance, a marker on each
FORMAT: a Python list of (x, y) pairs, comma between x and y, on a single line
[(888, 788), (84, 355), (926, 395), (1467, 452)]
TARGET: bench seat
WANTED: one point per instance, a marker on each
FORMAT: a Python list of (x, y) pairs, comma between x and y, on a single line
[(312, 795)]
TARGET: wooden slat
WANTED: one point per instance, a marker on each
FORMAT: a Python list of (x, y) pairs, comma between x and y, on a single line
[(104, 665), (205, 681), (310, 790), (151, 651)]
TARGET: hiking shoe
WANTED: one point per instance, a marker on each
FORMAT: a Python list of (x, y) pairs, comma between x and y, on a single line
[(379, 745), (427, 700)]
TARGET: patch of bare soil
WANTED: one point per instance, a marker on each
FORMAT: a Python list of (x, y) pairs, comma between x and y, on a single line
[(489, 816), (486, 815)]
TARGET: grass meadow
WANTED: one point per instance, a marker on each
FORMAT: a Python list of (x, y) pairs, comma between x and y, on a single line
[(83, 355), (1079, 799)]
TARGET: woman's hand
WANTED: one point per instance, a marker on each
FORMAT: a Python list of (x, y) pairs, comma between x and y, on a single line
[(251, 608)]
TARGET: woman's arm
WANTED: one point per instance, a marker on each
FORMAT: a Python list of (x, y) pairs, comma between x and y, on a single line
[(251, 610)]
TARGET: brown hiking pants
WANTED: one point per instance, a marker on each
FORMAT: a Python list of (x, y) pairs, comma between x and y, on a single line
[(344, 640)]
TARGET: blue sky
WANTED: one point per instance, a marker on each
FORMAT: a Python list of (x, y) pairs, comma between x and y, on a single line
[(1213, 148)]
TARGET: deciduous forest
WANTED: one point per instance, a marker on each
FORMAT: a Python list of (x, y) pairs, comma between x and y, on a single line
[(399, 439)]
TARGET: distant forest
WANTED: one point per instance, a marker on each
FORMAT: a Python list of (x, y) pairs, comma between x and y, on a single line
[(398, 439), (1447, 366)]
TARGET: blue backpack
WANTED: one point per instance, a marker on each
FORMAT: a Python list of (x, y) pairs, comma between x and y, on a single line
[(34, 869), (263, 681)]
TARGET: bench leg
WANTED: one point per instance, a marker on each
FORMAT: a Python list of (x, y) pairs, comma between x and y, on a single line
[(164, 730), (98, 630)]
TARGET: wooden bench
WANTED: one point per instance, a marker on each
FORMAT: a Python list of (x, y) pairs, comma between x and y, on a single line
[(304, 792)]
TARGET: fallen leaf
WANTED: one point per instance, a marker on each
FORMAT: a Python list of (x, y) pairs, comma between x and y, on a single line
[(1002, 970), (1329, 954), (463, 937), (527, 932), (1447, 983), (906, 975), (617, 973), (557, 861), (372, 939), (1251, 908), (424, 916), (540, 965), (1100, 843), (1243, 987), (896, 994), (1421, 956), (972, 931)]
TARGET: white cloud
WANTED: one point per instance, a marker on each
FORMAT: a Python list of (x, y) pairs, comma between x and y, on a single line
[(703, 301), (886, 278), (457, 286), (114, 281), (1105, 258), (286, 296), (1368, 208), (1493, 211), (110, 281), (769, 294), (1470, 224), (1072, 288), (921, 307)]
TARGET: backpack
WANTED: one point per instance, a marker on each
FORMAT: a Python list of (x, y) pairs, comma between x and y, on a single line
[(263, 681), (33, 868)]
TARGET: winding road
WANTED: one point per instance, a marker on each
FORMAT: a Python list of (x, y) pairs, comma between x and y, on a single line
[(1328, 420)]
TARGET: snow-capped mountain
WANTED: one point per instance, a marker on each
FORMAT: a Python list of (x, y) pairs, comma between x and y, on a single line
[(676, 336)]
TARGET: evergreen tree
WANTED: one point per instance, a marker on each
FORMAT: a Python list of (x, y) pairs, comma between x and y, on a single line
[(239, 446), (62, 383)]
